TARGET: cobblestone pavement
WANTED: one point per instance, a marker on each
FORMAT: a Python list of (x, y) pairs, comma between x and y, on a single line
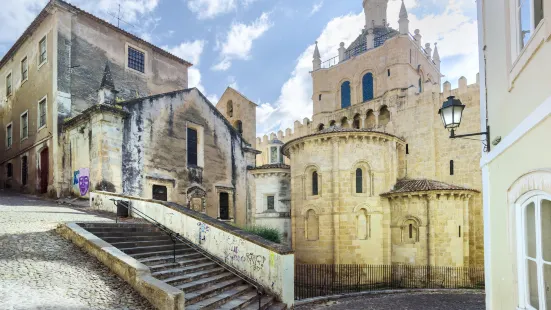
[(41, 270), (406, 301)]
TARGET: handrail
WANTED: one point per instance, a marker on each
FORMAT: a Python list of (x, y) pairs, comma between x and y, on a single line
[(176, 236)]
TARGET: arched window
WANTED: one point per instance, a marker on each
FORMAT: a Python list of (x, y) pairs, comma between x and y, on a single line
[(344, 122), (230, 108), (315, 183), (370, 120), (384, 116), (239, 126), (321, 127), (332, 123), (359, 180), (345, 94), (411, 231), (367, 86), (356, 123)]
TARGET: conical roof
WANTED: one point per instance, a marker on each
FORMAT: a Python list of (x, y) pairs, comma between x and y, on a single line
[(107, 80), (403, 11)]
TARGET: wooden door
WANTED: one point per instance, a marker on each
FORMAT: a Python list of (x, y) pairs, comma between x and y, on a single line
[(224, 206)]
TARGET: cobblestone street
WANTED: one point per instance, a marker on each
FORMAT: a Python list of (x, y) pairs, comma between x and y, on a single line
[(41, 270), (452, 300)]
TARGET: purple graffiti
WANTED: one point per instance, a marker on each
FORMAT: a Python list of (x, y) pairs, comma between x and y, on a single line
[(83, 180)]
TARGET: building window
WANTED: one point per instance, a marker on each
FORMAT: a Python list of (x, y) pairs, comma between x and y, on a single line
[(315, 183), (420, 86), (9, 135), (451, 167), (239, 126), (359, 180), (384, 116), (160, 192), (332, 123), (388, 72), (270, 202), (345, 94), (367, 87), (319, 98), (529, 14), (273, 155), (356, 123), (411, 231), (24, 170), (230, 108), (407, 149), (534, 246), (43, 56), (9, 88), (24, 125), (9, 168), (321, 127), (136, 59), (24, 69), (192, 142), (459, 231), (42, 113), (224, 206)]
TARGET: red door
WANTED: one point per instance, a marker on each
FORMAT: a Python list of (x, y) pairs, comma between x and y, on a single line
[(44, 171)]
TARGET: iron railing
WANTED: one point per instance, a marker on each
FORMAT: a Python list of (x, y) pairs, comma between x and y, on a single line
[(330, 62), (324, 280), (177, 237)]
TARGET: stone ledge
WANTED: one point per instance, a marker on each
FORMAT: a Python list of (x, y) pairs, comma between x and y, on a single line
[(159, 294)]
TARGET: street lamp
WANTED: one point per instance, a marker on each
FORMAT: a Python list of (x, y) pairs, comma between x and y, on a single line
[(451, 113)]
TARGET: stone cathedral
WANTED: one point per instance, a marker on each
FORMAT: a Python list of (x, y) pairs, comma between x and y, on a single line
[(373, 177)]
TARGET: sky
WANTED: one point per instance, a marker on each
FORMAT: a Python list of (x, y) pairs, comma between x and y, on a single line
[(264, 48)]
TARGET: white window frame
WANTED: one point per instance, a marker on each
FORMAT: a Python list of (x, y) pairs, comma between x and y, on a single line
[(40, 64), (9, 146), (45, 99), (518, 56), (21, 126), (23, 80), (536, 197), (10, 75), (145, 60), (266, 202), (200, 143)]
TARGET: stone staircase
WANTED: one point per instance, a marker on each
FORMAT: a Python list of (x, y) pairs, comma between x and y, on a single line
[(206, 284)]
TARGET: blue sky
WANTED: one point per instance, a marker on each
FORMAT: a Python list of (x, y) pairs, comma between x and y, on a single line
[(264, 47)]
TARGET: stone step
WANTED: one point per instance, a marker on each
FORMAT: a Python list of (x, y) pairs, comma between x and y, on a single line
[(127, 230), (133, 244), (135, 238), (276, 306), (249, 299), (266, 301), (157, 260), (179, 263), (114, 225), (163, 274), (233, 294), (209, 291), (204, 282), (152, 248), (177, 280), (179, 251), (128, 234)]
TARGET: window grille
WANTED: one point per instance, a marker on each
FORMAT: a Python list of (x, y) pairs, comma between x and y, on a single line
[(136, 59)]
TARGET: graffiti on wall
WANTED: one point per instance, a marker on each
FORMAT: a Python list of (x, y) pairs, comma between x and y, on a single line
[(203, 230), (81, 180)]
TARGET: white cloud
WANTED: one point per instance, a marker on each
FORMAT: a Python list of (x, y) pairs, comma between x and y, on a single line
[(316, 8), (16, 16), (233, 82), (452, 29), (239, 41), (206, 9)]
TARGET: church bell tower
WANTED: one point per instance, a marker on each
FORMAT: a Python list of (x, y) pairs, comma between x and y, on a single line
[(375, 13)]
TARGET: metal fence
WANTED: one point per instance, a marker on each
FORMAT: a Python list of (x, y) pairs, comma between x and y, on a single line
[(323, 280)]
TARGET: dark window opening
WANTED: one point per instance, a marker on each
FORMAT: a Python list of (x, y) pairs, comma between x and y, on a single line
[(320, 97), (230, 108), (24, 126), (10, 135), (136, 60), (271, 203), (451, 167), (9, 168), (459, 231), (315, 183), (388, 72), (345, 95), (42, 111), (411, 231), (407, 149), (160, 192), (420, 86), (332, 123), (224, 206), (24, 170), (239, 126), (359, 180), (191, 147), (320, 127)]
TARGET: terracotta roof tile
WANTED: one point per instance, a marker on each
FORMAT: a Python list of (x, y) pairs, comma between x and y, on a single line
[(423, 185)]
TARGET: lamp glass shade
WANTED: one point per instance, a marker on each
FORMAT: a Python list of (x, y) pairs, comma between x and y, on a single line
[(451, 113)]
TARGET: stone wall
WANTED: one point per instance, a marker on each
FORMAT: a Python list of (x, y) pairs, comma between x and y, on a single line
[(242, 110)]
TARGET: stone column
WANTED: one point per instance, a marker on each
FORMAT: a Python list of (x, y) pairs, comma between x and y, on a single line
[(341, 52), (431, 206), (362, 119), (335, 199), (370, 39), (376, 114)]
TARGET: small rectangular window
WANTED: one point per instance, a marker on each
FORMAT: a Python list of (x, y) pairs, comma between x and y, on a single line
[(43, 56), (388, 72), (9, 134), (270, 202), (459, 231), (24, 123), (8, 85), (407, 149), (160, 192), (320, 97), (529, 14), (24, 69), (136, 59), (42, 113), (451, 167), (191, 147)]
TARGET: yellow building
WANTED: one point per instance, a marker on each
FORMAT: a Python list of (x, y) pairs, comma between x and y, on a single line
[(374, 177), (516, 104)]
